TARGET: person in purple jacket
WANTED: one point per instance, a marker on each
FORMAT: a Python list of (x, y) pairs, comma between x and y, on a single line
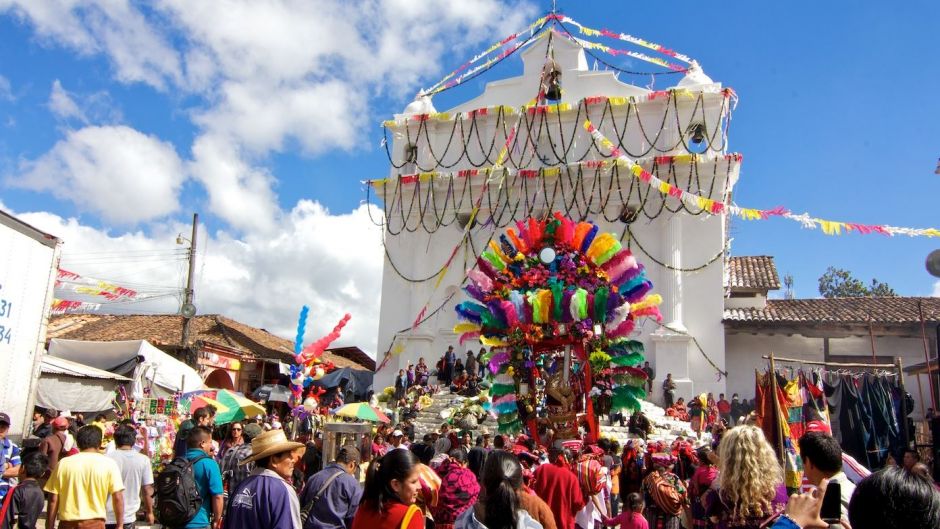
[(266, 498)]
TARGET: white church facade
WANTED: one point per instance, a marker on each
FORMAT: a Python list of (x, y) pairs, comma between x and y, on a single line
[(443, 177)]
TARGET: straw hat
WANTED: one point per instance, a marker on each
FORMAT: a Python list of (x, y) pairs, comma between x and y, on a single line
[(268, 444)]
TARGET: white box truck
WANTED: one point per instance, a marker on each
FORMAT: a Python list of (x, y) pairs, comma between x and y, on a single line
[(29, 260)]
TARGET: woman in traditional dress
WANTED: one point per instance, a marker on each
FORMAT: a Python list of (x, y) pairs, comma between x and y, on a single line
[(750, 483), (459, 489), (666, 496), (422, 373), (681, 410), (701, 481), (697, 414), (634, 470), (401, 385)]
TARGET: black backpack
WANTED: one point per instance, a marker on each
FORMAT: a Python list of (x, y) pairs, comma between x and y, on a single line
[(178, 499)]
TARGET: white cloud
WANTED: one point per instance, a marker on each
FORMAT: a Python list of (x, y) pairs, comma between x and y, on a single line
[(89, 108), (137, 49), (238, 192), (258, 77), (6, 91), (261, 281), (115, 172), (62, 105)]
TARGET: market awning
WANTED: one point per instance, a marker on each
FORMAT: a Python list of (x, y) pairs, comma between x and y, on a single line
[(67, 385), (134, 358)]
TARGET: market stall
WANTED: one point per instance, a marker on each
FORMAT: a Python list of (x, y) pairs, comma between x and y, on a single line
[(67, 385), (152, 371)]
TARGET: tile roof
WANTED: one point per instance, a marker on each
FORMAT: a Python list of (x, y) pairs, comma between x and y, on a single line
[(881, 310), (166, 330), (753, 272), (355, 354)]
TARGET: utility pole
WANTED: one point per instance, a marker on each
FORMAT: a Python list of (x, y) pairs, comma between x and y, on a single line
[(188, 309)]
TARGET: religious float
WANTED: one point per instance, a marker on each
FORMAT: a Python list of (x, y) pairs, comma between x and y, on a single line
[(556, 302)]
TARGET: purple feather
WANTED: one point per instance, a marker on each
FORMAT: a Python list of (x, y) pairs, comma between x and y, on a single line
[(475, 292), (487, 268), (628, 274), (497, 360), (588, 239), (527, 310), (497, 311), (566, 306), (637, 293)]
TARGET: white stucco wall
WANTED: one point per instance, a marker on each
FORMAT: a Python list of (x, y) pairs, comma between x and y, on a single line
[(744, 353), (420, 255)]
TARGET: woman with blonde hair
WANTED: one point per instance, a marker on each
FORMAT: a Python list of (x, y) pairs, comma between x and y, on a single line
[(750, 483)]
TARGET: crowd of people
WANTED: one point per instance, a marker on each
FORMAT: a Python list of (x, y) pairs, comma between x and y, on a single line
[(444, 481), (704, 411), (250, 474)]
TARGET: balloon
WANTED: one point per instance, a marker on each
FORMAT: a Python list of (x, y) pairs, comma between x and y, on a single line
[(316, 349)]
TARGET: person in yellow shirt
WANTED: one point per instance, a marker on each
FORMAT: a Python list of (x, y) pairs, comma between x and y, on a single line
[(81, 485), (101, 423)]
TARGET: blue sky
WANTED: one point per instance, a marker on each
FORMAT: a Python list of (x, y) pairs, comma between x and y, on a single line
[(837, 117)]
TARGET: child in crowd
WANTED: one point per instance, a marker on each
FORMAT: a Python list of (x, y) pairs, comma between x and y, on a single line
[(27, 502), (632, 516)]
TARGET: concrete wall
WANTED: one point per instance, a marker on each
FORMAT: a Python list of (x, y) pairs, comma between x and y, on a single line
[(744, 353)]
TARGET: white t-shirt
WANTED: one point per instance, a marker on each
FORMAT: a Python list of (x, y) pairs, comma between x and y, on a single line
[(136, 472)]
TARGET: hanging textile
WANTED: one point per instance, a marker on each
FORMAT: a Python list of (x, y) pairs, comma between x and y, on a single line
[(847, 419), (778, 418)]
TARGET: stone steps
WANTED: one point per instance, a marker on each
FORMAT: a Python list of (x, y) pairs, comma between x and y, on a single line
[(429, 420)]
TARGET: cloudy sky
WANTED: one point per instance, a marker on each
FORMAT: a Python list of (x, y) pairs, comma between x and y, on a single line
[(119, 119)]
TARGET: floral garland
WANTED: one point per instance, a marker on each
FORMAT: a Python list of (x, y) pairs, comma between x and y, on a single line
[(550, 283)]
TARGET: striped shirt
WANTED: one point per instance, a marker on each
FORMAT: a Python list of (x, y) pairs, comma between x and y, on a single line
[(9, 453)]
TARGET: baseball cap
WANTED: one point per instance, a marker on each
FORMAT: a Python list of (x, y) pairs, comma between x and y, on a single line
[(60, 422), (4, 419), (397, 433), (252, 430)]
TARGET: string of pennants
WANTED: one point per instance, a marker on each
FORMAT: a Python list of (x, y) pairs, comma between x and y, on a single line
[(536, 30), (829, 227), (532, 108), (714, 207), (63, 306), (553, 171), (72, 282)]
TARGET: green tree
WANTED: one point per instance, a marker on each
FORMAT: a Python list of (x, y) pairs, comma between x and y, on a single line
[(840, 283)]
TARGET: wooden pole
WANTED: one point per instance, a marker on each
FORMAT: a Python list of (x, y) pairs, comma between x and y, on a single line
[(920, 392), (777, 412), (190, 291), (923, 331), (871, 336), (566, 367), (833, 364), (904, 410)]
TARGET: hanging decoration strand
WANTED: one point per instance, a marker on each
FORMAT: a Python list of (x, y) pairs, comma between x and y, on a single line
[(714, 207)]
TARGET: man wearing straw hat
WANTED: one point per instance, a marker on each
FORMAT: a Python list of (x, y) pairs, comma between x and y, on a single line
[(266, 498)]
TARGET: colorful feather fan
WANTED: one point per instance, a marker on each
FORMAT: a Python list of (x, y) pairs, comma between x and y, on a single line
[(523, 297)]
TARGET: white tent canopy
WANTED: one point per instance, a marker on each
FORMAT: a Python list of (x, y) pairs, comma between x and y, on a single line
[(137, 359), (67, 385)]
